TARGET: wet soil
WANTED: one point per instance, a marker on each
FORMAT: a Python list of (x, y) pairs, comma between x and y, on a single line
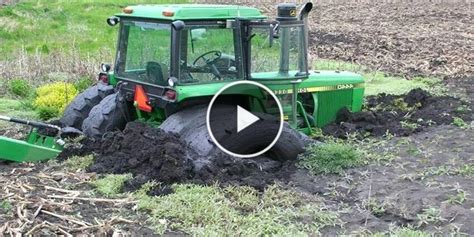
[(400, 115), (151, 154)]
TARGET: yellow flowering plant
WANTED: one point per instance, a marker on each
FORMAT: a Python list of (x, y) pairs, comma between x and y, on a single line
[(52, 99)]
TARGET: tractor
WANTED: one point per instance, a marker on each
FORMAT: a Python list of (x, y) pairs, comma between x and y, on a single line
[(172, 59)]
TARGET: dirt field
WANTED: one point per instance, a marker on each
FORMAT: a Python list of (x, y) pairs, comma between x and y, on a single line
[(408, 39), (419, 175)]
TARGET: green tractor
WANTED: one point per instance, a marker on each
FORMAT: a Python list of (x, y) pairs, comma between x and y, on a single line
[(172, 59)]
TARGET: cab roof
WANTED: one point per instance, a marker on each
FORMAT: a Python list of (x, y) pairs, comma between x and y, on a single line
[(192, 12)]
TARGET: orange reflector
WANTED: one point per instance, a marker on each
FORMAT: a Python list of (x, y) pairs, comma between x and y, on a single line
[(141, 99), (128, 10), (168, 13)]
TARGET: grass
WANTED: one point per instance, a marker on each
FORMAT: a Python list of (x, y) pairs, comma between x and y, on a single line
[(111, 184), (16, 108), (79, 162), (52, 25), (214, 211), (379, 82), (429, 215), (331, 157)]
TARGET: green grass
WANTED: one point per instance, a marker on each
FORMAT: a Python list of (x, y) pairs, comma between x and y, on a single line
[(330, 157), (214, 211), (16, 108), (379, 82), (79, 162), (55, 25), (111, 184)]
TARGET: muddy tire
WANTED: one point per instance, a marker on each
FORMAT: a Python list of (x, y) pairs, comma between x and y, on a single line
[(190, 124), (78, 110), (107, 116)]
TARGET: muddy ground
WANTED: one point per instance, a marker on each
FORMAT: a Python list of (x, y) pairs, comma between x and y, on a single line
[(402, 115), (418, 38)]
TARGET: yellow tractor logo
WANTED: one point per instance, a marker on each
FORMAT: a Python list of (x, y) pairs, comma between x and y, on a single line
[(293, 12)]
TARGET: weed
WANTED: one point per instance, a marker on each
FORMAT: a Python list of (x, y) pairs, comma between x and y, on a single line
[(377, 208), (462, 109), (214, 211), (79, 162), (83, 83), (413, 150), (430, 215), (331, 157), (459, 122), (408, 125), (6, 206), (458, 198), (111, 184), (19, 87), (466, 170)]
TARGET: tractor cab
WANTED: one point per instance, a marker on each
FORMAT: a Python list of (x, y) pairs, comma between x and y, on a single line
[(196, 44)]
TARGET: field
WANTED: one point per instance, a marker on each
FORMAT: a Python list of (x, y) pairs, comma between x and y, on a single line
[(403, 166)]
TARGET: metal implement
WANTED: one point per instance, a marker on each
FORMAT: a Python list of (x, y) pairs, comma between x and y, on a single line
[(36, 147)]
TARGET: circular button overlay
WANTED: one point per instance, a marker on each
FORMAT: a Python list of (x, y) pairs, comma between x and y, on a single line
[(244, 119)]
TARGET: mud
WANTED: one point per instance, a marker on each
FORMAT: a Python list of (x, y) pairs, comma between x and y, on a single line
[(151, 154), (400, 115)]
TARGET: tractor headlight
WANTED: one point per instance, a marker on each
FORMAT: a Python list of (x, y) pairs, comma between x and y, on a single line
[(172, 81), (105, 67), (113, 20)]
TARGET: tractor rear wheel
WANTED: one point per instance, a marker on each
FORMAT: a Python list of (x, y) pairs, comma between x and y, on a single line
[(108, 116), (190, 124), (79, 108)]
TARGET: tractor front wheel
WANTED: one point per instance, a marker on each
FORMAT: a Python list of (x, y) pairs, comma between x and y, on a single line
[(108, 116)]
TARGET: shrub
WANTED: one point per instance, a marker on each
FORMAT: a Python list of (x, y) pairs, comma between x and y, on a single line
[(52, 99), (83, 83), (331, 157), (19, 87)]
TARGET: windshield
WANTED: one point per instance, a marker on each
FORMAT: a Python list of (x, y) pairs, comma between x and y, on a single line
[(144, 52), (282, 57), (209, 53)]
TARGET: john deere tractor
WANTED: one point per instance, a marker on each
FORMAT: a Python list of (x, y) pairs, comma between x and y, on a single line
[(172, 59)]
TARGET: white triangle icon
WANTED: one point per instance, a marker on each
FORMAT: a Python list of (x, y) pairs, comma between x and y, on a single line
[(244, 118)]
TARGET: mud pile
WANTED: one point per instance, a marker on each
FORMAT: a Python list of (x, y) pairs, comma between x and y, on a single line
[(399, 115), (151, 154)]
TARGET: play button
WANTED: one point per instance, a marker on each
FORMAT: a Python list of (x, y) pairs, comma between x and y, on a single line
[(244, 119)]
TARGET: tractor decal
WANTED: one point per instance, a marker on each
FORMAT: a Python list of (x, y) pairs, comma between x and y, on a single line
[(320, 88)]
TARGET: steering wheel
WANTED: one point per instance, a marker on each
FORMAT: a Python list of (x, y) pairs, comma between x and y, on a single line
[(209, 58), (216, 55)]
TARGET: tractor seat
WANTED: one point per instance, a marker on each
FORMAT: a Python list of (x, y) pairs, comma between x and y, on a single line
[(157, 73)]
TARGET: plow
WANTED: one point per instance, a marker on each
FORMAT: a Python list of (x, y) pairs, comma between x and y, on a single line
[(171, 61)]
